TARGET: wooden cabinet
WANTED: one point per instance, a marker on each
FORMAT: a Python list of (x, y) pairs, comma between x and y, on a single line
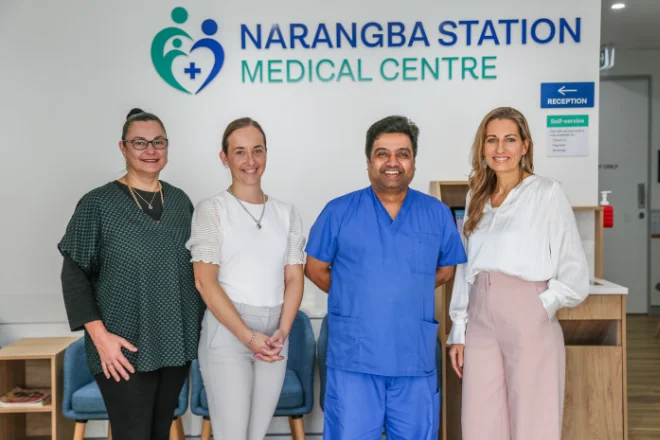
[(594, 390)]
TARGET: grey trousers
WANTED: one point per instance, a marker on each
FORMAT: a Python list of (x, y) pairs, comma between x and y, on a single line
[(242, 391)]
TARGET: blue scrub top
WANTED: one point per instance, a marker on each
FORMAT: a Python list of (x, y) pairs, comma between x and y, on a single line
[(381, 303)]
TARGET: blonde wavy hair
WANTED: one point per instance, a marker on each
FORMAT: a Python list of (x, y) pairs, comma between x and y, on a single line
[(483, 180)]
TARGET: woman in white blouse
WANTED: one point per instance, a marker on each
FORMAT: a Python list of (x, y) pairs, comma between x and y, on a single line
[(247, 251), (525, 262)]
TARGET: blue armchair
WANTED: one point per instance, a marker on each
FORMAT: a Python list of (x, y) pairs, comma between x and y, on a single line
[(82, 400), (297, 397), (323, 351)]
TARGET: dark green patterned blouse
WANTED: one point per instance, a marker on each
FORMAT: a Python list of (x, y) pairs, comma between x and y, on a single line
[(141, 272)]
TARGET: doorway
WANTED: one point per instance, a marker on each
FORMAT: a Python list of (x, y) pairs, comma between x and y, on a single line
[(624, 169)]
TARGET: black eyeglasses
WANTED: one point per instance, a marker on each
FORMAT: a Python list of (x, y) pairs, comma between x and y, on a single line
[(142, 144)]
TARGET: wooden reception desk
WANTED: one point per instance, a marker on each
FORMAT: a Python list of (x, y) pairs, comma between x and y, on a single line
[(595, 404)]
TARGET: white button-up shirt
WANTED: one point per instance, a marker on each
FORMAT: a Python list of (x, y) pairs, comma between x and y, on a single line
[(532, 235)]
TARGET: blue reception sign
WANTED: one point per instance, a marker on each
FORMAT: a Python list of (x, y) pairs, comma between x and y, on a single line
[(567, 95)]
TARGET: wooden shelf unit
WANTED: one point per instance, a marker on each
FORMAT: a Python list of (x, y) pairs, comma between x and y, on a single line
[(19, 410), (595, 338), (34, 363)]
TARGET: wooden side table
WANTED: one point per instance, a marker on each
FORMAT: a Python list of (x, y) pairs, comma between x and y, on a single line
[(35, 363)]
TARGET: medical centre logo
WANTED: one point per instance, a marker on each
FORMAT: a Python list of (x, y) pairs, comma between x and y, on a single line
[(173, 54), (345, 51)]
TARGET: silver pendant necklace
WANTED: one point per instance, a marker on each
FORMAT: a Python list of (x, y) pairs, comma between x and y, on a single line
[(263, 210), (149, 204)]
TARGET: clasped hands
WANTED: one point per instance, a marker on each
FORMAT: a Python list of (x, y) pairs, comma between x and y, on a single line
[(268, 348)]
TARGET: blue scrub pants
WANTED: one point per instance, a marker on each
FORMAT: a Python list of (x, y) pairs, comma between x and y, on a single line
[(358, 406)]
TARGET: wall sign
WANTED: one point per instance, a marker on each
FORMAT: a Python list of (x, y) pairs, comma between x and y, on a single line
[(606, 57), (567, 95), (567, 135)]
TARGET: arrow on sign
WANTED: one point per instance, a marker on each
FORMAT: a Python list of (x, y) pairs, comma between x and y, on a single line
[(563, 90)]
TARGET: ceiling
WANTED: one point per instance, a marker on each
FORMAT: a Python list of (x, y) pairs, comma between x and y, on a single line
[(637, 26)]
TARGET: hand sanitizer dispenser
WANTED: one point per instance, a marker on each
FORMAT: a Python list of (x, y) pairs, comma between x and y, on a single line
[(608, 210)]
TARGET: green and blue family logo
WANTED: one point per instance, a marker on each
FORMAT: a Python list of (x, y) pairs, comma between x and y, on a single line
[(173, 42), (346, 51)]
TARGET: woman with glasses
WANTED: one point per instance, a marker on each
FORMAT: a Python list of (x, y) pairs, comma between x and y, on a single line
[(128, 282), (247, 250)]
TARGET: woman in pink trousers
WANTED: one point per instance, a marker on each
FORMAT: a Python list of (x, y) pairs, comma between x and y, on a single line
[(525, 262)]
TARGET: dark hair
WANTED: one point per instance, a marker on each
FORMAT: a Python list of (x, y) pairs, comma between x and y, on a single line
[(235, 125), (138, 115), (392, 124)]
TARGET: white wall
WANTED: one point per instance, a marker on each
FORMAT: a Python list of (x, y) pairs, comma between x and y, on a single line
[(81, 73), (647, 62), (72, 71)]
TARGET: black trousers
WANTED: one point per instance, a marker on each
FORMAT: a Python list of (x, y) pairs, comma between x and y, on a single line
[(142, 408)]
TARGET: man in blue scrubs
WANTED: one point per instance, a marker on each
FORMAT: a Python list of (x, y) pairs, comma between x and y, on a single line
[(380, 252)]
